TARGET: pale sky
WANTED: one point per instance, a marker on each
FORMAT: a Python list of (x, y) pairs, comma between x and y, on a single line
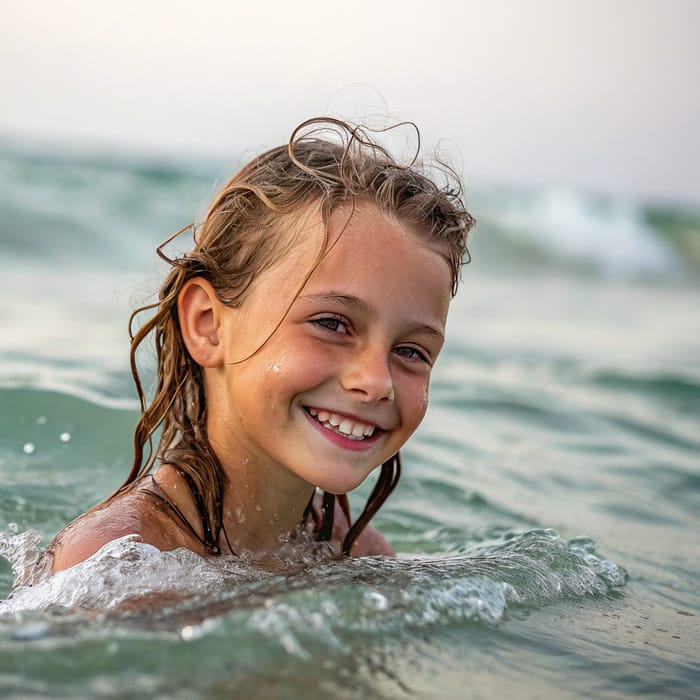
[(600, 94)]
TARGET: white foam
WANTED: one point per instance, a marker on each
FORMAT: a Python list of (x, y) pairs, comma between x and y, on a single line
[(301, 589), (610, 235)]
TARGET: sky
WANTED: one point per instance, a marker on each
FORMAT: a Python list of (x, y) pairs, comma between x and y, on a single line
[(595, 94)]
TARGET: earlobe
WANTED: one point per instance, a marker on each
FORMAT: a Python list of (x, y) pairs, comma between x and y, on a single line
[(199, 312)]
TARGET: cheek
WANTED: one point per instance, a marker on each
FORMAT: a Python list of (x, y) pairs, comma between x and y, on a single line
[(280, 373), (415, 401)]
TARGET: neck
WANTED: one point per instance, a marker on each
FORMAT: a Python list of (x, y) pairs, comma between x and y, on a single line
[(262, 503)]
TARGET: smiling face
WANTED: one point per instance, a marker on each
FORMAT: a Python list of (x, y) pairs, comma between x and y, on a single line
[(342, 383)]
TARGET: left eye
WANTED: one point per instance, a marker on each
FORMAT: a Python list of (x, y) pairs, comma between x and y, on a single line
[(410, 353)]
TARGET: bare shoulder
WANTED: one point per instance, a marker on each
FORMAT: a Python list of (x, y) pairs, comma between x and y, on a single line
[(86, 534), (369, 543), (125, 514)]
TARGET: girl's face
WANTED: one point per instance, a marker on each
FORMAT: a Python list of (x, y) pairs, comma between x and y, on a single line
[(343, 382)]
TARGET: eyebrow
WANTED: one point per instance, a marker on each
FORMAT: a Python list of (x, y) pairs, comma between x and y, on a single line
[(367, 309)]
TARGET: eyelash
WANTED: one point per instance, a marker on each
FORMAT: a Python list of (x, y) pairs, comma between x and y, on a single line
[(416, 353), (332, 324)]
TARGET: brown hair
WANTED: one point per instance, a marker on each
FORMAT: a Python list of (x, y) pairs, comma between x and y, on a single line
[(327, 163)]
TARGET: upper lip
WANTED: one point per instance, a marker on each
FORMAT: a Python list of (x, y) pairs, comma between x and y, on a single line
[(353, 424)]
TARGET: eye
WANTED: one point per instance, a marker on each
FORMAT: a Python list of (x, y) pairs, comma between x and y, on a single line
[(412, 354), (332, 323)]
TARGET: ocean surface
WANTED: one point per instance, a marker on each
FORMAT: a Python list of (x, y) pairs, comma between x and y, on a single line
[(547, 522)]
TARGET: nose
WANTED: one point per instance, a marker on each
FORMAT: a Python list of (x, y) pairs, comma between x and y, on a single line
[(368, 374)]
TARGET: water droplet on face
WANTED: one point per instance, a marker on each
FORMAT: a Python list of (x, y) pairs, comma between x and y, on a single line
[(240, 515), (258, 508), (64, 437), (28, 448)]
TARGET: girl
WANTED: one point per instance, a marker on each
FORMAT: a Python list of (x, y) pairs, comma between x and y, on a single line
[(294, 347)]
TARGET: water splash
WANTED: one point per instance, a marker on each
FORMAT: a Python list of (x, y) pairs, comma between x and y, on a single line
[(304, 588), (22, 551)]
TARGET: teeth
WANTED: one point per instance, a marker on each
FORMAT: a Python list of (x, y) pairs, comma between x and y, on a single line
[(340, 424)]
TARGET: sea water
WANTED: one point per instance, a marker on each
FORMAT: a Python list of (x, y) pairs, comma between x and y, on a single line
[(547, 522)]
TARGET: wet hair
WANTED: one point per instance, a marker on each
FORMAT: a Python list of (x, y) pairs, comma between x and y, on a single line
[(327, 163)]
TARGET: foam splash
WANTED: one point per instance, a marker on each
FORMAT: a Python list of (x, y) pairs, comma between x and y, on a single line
[(302, 591), (610, 235), (125, 574)]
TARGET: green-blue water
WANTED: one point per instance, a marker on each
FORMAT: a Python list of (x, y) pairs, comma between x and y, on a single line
[(547, 522)]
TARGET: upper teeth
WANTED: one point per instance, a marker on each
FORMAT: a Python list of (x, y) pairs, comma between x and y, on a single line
[(341, 424)]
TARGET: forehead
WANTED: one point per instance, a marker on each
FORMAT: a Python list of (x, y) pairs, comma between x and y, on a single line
[(366, 251), (360, 246), (367, 226)]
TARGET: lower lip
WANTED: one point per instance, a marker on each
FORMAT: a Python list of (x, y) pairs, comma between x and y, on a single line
[(342, 441)]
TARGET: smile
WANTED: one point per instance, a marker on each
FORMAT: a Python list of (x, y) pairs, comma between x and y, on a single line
[(342, 425)]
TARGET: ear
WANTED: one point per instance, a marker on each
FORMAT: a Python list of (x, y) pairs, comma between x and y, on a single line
[(199, 312)]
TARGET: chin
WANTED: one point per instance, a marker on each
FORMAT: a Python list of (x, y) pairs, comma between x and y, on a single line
[(339, 486)]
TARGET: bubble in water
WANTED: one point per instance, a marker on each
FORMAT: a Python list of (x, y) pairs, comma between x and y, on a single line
[(64, 437), (32, 631), (376, 600), (41, 420), (28, 448), (191, 632), (316, 621), (329, 608)]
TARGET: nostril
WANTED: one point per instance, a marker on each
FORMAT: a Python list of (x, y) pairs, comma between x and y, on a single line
[(368, 374)]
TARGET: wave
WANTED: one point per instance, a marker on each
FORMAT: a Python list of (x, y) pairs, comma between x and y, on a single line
[(284, 592), (679, 389), (594, 233), (114, 209), (104, 209)]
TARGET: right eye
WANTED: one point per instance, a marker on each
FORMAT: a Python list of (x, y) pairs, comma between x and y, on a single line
[(332, 323)]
